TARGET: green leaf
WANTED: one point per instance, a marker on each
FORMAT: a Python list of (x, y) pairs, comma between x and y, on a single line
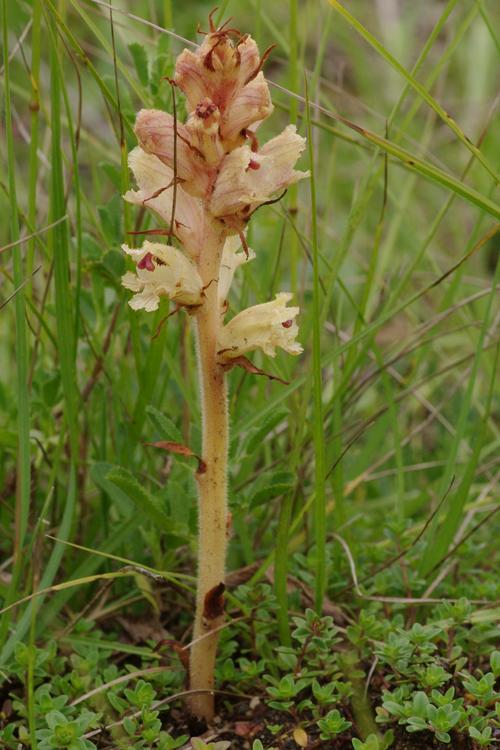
[(278, 484), (91, 249), (420, 704), (51, 389), (495, 663), (55, 719), (140, 58), (443, 737), (483, 738), (416, 724), (8, 439), (394, 708), (99, 474), (125, 481), (160, 69), (114, 262), (167, 430), (371, 743), (129, 725), (117, 702), (113, 173), (111, 224), (258, 436)]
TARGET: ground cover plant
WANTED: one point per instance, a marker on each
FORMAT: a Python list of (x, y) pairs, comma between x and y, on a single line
[(360, 606)]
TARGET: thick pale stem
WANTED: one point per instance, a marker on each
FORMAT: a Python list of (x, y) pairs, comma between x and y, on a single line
[(212, 486)]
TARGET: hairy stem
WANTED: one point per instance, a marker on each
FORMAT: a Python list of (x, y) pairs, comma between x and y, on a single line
[(212, 488)]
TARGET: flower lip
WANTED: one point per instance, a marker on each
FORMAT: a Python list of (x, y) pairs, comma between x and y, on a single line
[(146, 263)]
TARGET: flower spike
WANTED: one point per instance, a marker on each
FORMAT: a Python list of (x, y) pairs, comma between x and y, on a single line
[(203, 179)]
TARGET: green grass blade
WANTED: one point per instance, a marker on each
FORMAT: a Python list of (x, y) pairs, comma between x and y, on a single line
[(285, 513), (423, 55), (421, 167), (82, 55), (319, 438), (421, 90), (35, 126), (58, 243), (49, 574), (23, 480), (441, 533)]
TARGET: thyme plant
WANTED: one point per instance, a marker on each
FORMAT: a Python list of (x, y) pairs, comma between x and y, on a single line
[(204, 179)]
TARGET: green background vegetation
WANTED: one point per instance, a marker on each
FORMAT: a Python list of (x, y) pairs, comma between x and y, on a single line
[(386, 438)]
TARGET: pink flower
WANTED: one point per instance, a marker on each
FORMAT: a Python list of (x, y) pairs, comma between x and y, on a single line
[(229, 75), (251, 105), (221, 177), (203, 129), (155, 132), (218, 69), (247, 179)]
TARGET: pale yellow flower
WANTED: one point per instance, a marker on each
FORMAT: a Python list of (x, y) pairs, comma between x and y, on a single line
[(162, 270), (265, 327)]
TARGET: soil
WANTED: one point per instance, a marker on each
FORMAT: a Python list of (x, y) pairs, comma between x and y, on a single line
[(241, 725)]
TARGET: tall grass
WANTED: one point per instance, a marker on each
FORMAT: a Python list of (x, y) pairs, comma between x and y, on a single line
[(21, 504)]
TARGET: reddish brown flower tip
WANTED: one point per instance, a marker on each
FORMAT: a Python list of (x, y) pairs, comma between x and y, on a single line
[(205, 108)]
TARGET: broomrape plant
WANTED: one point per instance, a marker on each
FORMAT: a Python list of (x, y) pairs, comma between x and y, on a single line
[(204, 179)]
